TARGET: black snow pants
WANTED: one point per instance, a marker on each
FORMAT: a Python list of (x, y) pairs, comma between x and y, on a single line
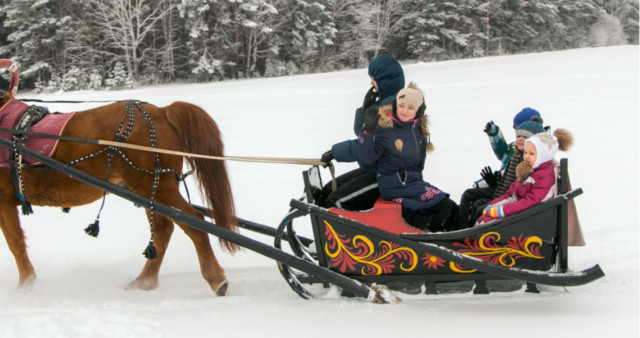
[(356, 190), (472, 202)]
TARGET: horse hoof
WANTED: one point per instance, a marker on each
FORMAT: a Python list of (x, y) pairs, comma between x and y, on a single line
[(222, 289), (142, 285), (27, 282), (26, 285)]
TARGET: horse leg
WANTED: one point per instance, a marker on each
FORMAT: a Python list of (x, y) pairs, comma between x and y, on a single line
[(210, 269), (13, 233), (148, 277)]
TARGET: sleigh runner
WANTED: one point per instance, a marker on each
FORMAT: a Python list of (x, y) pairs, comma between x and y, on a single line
[(361, 252)]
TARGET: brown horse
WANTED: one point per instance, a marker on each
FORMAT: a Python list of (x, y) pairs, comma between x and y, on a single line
[(181, 127)]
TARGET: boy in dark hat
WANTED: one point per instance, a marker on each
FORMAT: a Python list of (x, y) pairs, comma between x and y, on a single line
[(499, 145)]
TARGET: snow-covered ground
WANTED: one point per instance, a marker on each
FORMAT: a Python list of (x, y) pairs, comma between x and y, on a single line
[(591, 92)]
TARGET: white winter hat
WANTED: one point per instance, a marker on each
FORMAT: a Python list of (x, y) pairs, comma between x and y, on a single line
[(546, 145), (410, 95)]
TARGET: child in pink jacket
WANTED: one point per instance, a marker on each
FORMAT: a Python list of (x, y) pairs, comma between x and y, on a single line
[(536, 179)]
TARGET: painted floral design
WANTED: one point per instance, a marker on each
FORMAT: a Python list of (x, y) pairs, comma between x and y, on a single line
[(487, 249), (432, 262), (347, 254)]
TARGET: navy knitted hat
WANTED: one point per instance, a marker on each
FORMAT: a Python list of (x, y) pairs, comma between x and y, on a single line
[(530, 128), (524, 115)]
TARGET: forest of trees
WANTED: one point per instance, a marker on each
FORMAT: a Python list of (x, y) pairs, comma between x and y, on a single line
[(91, 44)]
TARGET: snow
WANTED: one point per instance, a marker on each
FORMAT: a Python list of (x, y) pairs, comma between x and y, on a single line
[(591, 92)]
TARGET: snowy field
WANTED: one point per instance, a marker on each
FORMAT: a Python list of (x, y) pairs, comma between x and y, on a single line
[(591, 92)]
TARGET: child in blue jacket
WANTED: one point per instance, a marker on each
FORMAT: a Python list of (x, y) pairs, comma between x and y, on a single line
[(397, 138)]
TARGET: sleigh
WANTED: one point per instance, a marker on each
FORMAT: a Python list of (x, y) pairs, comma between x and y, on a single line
[(363, 254), (377, 247)]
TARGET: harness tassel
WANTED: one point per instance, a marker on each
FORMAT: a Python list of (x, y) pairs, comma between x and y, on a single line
[(150, 252), (93, 229), (26, 207)]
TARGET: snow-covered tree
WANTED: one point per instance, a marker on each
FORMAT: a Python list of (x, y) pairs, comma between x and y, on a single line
[(118, 77), (303, 34), (607, 31), (95, 80), (75, 79), (348, 49), (379, 18), (32, 40), (256, 20), (626, 11), (443, 30), (204, 40), (127, 23), (202, 20)]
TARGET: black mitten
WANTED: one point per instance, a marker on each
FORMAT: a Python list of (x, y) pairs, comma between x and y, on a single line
[(327, 157), (490, 128), (369, 98), (370, 118), (489, 177)]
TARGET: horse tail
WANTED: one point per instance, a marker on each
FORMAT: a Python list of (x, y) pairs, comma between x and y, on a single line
[(199, 134)]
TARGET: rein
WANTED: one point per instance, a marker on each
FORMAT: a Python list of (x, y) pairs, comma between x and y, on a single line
[(68, 101), (285, 160)]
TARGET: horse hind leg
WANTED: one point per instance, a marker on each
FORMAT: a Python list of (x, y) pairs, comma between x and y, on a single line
[(13, 233), (168, 193), (210, 269)]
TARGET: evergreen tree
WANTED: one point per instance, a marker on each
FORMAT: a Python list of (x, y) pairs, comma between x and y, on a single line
[(95, 80), (577, 16), (626, 11), (256, 20), (32, 41), (75, 79), (420, 37), (348, 48), (444, 30), (303, 35), (118, 77), (607, 31), (77, 44), (202, 23)]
